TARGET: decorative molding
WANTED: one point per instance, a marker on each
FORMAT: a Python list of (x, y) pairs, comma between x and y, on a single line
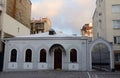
[(47, 38)]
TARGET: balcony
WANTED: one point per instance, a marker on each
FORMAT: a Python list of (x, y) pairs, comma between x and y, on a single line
[(2, 3)]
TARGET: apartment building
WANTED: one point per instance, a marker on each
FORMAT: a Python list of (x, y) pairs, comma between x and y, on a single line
[(87, 30), (19, 10), (14, 18), (14, 21), (106, 24), (40, 26)]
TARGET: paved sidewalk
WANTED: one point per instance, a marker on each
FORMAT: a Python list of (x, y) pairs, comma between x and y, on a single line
[(59, 74), (44, 74), (105, 74)]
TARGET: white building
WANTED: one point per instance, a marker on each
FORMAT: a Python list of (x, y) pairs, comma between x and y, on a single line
[(9, 27), (106, 24), (50, 51)]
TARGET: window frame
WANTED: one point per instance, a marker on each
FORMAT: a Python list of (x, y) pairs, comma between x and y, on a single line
[(13, 56), (117, 57), (117, 7), (28, 55), (116, 39), (116, 24), (73, 56), (43, 56)]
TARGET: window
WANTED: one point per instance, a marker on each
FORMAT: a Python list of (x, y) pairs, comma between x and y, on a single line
[(42, 25), (116, 23), (115, 8), (20, 0), (73, 55), (117, 40), (43, 55), (28, 55), (13, 55), (98, 35), (117, 57)]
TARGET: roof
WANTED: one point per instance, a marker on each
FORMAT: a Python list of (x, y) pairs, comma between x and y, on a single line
[(46, 34)]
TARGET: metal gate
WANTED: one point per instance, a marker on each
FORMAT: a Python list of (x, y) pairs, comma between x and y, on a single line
[(101, 57)]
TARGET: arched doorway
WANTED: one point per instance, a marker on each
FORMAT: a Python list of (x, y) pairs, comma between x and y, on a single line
[(57, 52), (58, 58), (101, 55)]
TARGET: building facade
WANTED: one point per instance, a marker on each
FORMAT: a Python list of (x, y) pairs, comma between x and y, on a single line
[(52, 51), (106, 24), (19, 10), (12, 15), (87, 30), (14, 21), (10, 22), (40, 26)]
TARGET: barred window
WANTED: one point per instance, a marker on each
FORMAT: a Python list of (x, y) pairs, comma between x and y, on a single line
[(73, 56), (13, 55), (28, 55), (43, 55)]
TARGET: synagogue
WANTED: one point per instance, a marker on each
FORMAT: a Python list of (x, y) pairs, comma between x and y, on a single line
[(52, 51)]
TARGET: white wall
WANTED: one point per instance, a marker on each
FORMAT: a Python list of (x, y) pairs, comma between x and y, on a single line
[(13, 27)]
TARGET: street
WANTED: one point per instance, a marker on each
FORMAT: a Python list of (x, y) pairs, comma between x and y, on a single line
[(59, 74)]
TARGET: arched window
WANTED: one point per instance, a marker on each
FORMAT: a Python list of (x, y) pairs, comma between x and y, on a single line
[(28, 55), (73, 55), (43, 55), (13, 55)]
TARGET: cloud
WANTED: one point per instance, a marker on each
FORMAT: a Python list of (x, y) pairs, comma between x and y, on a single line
[(45, 8), (66, 15)]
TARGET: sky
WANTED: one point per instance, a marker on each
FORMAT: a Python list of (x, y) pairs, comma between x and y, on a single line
[(67, 16)]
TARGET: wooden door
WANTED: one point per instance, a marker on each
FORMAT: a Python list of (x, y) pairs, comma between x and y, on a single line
[(58, 59)]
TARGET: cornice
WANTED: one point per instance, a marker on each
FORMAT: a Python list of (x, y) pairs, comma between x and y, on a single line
[(46, 38)]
